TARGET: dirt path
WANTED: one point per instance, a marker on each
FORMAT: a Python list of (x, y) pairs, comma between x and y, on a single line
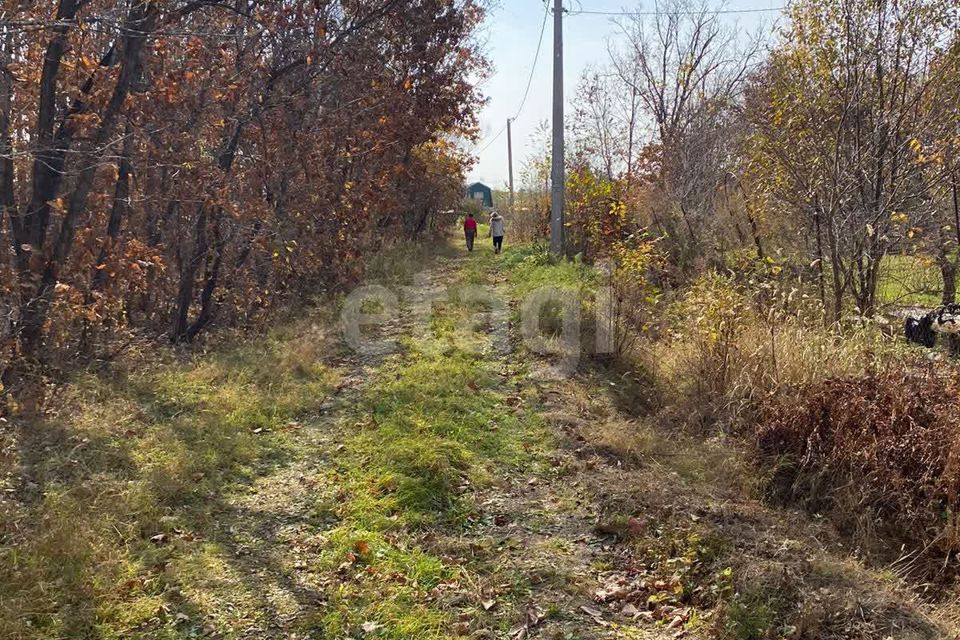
[(601, 528), (273, 528)]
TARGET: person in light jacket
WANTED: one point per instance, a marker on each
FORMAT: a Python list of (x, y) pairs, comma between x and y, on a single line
[(496, 231)]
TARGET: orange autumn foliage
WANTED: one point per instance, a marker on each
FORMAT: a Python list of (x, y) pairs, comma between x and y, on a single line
[(166, 166)]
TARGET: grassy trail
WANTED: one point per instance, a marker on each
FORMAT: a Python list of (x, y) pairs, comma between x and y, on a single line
[(294, 488)]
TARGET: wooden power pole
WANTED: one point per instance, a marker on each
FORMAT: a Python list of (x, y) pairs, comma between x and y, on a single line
[(558, 174), (510, 160)]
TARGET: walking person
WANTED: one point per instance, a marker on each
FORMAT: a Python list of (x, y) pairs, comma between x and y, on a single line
[(496, 231), (470, 230)]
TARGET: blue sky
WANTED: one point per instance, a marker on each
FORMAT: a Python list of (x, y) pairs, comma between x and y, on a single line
[(511, 35)]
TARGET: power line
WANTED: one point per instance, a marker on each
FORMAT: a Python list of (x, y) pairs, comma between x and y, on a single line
[(536, 57), (495, 138), (587, 12), (533, 69)]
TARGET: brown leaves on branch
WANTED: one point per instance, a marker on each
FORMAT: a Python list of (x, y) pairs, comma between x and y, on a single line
[(180, 165)]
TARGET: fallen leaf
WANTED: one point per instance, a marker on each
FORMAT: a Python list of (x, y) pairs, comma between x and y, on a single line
[(535, 616), (370, 627), (488, 604), (595, 614), (519, 633), (616, 587)]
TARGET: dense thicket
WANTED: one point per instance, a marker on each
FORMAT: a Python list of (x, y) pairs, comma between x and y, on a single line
[(167, 164), (878, 451)]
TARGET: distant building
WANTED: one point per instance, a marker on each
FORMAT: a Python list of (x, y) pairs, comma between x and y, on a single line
[(481, 193)]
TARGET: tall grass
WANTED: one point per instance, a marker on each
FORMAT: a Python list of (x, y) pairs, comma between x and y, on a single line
[(721, 348), (848, 421)]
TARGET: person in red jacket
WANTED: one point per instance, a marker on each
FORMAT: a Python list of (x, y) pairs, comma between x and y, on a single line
[(470, 230)]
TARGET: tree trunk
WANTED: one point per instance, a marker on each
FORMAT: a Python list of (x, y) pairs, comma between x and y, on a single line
[(8, 198), (119, 210), (206, 314), (38, 269), (188, 277), (948, 271), (948, 267), (754, 229), (821, 280), (836, 265)]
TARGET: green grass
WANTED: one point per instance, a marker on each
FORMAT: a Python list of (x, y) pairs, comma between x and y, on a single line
[(148, 451), (432, 425), (132, 521), (165, 450), (531, 267), (755, 614), (909, 280)]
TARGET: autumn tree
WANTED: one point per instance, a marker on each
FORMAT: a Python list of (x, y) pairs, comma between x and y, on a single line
[(687, 70), (842, 134), (170, 165)]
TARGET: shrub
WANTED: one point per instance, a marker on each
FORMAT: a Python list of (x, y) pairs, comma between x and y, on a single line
[(879, 452)]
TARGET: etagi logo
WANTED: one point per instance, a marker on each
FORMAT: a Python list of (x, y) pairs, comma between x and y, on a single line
[(549, 320)]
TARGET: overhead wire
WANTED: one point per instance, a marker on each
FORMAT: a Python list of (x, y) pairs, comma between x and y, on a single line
[(589, 12), (533, 69)]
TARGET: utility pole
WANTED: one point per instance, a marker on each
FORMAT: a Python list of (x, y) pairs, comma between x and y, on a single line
[(557, 174), (510, 160)]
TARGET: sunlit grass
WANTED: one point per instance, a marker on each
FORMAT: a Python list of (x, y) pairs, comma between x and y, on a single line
[(144, 452), (434, 427), (910, 280)]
